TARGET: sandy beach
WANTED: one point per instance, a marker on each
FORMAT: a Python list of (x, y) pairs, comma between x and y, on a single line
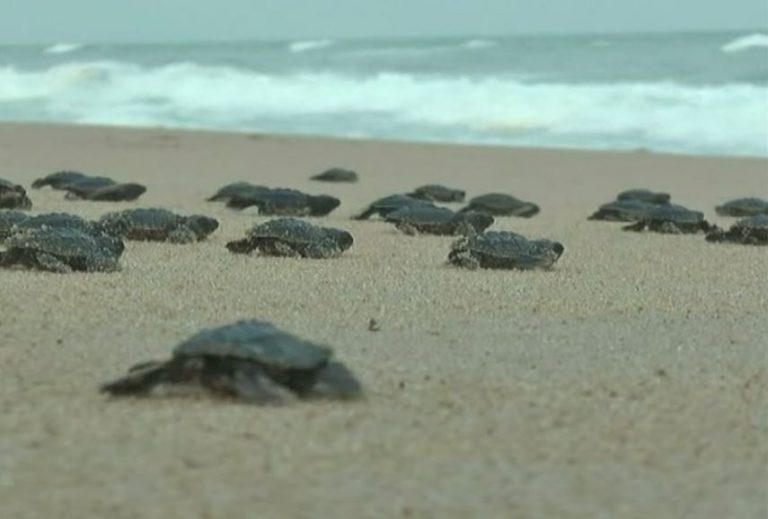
[(631, 381)]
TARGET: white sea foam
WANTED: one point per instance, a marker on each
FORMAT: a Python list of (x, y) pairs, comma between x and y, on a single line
[(308, 45), (751, 41), (63, 48), (660, 115), (479, 44)]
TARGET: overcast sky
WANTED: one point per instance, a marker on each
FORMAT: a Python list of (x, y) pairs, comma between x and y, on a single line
[(78, 21)]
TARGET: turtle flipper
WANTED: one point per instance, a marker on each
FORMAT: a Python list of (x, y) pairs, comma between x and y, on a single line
[(637, 226), (181, 235), (52, 263), (336, 381), (365, 214), (254, 386), (243, 246), (139, 380)]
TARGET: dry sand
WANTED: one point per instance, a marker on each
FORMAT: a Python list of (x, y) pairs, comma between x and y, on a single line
[(631, 381)]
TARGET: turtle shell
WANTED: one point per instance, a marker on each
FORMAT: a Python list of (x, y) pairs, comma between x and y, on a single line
[(673, 213), (292, 230), (336, 175), (438, 193), (500, 204), (743, 207), (58, 179), (644, 195), (256, 341)]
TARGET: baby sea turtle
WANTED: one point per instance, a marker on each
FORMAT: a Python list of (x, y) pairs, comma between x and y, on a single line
[(499, 204), (109, 193), (251, 360), (438, 220), (62, 249), (293, 238), (156, 224), (743, 207), (504, 250), (644, 195), (389, 204), (336, 175), (285, 202), (12, 222), (235, 189), (627, 210), (752, 230), (60, 179), (13, 196), (438, 193), (671, 219)]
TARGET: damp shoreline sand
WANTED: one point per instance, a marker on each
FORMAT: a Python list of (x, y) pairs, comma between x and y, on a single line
[(630, 381)]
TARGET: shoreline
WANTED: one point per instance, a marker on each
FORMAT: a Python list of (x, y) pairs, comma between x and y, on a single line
[(368, 140), (629, 381)]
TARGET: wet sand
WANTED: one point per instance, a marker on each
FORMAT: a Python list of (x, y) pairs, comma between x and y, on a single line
[(630, 381)]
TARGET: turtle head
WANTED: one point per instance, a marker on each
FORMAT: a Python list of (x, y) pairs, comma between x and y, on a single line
[(342, 238), (132, 191), (321, 205), (479, 220), (202, 225)]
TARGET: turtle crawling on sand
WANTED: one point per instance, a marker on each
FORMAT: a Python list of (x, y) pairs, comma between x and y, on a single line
[(500, 204), (336, 175), (54, 220), (156, 224), (285, 202), (627, 210), (389, 204), (108, 193), (644, 195), (235, 189), (504, 250), (251, 360), (13, 196), (427, 219), (752, 230), (743, 207), (60, 179), (293, 238), (671, 219), (62, 249), (438, 193)]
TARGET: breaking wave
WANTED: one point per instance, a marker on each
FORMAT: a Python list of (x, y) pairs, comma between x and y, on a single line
[(62, 48), (308, 45), (752, 41), (495, 109)]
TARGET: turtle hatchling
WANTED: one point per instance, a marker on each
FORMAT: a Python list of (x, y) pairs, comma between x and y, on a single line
[(156, 224), (13, 196), (336, 175), (438, 220), (293, 238), (499, 204), (389, 204), (60, 179), (108, 193), (62, 249), (671, 219), (743, 207), (752, 230), (235, 189), (627, 210), (438, 193), (504, 250), (285, 202), (644, 195), (250, 360)]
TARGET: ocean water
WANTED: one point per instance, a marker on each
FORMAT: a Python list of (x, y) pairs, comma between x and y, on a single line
[(691, 93)]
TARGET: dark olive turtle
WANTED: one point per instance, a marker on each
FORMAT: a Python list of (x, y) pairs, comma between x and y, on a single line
[(156, 224), (252, 360), (438, 193), (55, 220), (293, 238), (62, 249), (752, 230), (60, 179), (285, 202), (743, 207), (109, 193), (8, 222), (235, 189), (626, 210), (499, 204), (644, 195), (671, 219), (13, 196), (504, 250), (389, 204), (438, 220), (336, 175)]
